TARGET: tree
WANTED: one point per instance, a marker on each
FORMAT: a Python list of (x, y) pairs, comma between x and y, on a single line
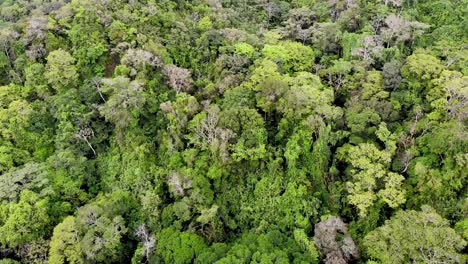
[(249, 133), (8, 261), (244, 49), (178, 78), (391, 74), (399, 30), (35, 252), (448, 96), (35, 81), (85, 134), (419, 69), (100, 234), (307, 95), (264, 69), (306, 244), (269, 92), (272, 9), (369, 50), (138, 60), (273, 206), (213, 253), (8, 38), (299, 23), (369, 104), (219, 131), (269, 247), (16, 129), (178, 114), (336, 245), (349, 19), (30, 177), (208, 134), (61, 72), (36, 33), (415, 236), (95, 234), (64, 245), (337, 73), (369, 171), (86, 34), (147, 239), (179, 247), (125, 99), (24, 221), (326, 37), (291, 56)]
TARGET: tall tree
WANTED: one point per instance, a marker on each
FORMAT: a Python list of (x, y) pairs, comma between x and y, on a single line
[(415, 236)]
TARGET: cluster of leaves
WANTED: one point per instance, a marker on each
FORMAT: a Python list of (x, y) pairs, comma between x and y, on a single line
[(216, 131)]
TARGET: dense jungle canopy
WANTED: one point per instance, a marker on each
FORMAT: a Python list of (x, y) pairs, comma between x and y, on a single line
[(233, 131)]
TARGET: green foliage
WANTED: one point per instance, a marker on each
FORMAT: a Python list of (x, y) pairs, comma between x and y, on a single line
[(60, 70), (25, 220), (272, 247), (306, 244), (64, 245), (179, 247), (95, 234), (216, 131), (244, 49), (8, 261), (307, 95), (415, 236), (420, 68), (126, 97), (205, 24), (349, 42), (290, 56), (369, 168), (30, 177)]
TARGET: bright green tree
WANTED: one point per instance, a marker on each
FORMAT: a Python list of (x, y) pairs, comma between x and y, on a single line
[(415, 236), (61, 73), (371, 179), (24, 221)]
